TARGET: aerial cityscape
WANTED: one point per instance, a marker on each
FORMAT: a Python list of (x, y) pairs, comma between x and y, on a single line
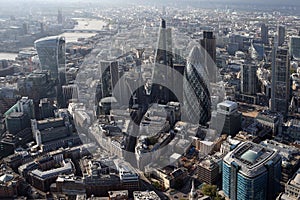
[(150, 100)]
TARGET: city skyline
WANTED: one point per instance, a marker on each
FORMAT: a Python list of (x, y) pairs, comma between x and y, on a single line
[(134, 100)]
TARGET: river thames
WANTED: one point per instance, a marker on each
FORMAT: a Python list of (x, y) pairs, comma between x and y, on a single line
[(83, 24)]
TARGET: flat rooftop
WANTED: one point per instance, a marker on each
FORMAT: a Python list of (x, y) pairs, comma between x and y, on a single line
[(252, 158)]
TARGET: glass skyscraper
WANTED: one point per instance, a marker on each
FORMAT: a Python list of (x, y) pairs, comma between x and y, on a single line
[(196, 95), (51, 53), (251, 171)]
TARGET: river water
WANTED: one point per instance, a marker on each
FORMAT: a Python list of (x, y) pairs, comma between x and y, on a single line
[(8, 56), (83, 24)]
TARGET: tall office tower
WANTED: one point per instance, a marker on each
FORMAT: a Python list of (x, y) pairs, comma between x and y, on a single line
[(110, 75), (281, 35), (59, 17), (249, 79), (295, 47), (25, 28), (209, 44), (16, 122), (251, 172), (163, 62), (26, 106), (264, 34), (280, 88), (42, 27), (46, 109), (196, 95), (227, 112), (52, 55)]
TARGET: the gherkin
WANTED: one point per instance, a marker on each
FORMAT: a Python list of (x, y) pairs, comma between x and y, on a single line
[(196, 95)]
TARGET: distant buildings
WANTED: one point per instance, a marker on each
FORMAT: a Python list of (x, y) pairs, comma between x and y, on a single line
[(251, 171), (59, 17)]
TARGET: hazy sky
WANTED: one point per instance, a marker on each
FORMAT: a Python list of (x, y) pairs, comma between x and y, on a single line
[(19, 6)]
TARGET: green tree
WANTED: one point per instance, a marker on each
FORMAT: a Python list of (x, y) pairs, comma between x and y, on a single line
[(209, 190)]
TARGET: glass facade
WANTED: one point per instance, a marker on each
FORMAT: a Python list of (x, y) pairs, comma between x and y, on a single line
[(247, 188), (196, 95), (51, 53), (244, 181), (226, 179), (295, 47)]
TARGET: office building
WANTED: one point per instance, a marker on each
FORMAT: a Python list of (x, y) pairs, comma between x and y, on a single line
[(292, 187), (251, 172), (228, 118), (163, 62), (169, 176), (59, 17), (116, 195), (268, 119), (142, 195), (42, 179), (280, 89), (208, 171), (264, 34), (46, 109), (208, 44), (16, 121), (281, 35), (51, 52), (196, 95), (69, 92), (249, 79), (290, 158), (294, 46), (10, 184), (104, 175), (50, 129), (37, 85)]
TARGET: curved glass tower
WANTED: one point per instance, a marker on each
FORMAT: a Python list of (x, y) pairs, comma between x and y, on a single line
[(196, 95), (51, 53)]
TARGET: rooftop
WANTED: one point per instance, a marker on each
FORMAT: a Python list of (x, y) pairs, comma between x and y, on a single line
[(143, 195), (251, 158)]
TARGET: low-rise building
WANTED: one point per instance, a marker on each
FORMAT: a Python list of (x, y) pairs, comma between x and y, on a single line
[(143, 195)]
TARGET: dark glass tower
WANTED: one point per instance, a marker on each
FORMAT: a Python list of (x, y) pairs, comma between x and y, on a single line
[(209, 45), (196, 95), (163, 63), (264, 34)]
